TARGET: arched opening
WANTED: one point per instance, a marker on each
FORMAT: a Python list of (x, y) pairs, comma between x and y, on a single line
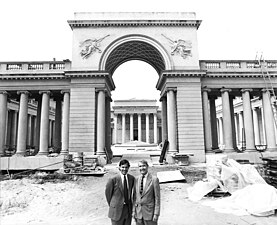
[(135, 63), (135, 80), (135, 108)]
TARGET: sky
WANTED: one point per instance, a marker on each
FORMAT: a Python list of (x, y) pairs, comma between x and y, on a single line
[(34, 30)]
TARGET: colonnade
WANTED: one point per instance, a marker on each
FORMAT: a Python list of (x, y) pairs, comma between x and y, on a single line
[(250, 126), (22, 129), (140, 127)]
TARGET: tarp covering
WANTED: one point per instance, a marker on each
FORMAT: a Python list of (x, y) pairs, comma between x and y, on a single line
[(255, 199), (250, 193)]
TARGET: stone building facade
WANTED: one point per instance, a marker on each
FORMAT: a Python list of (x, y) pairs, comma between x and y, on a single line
[(82, 88), (136, 120)]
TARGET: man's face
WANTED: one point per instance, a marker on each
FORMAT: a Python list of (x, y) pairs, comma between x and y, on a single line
[(143, 168), (124, 169)]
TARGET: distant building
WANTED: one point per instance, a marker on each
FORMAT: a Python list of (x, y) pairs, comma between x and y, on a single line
[(136, 120)]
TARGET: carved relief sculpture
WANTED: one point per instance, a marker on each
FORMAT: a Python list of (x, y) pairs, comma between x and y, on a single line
[(180, 47), (90, 46)]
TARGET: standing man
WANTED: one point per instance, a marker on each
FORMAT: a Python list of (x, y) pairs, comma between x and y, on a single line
[(146, 209), (119, 192)]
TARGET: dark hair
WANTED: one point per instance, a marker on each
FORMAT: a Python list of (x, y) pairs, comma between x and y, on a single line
[(123, 162)]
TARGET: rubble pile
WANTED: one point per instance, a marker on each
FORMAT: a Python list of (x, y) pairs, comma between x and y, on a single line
[(82, 165)]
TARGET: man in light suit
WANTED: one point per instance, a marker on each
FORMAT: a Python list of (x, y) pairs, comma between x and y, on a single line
[(119, 195), (146, 208)]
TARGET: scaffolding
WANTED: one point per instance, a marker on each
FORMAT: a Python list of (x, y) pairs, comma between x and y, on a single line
[(263, 65)]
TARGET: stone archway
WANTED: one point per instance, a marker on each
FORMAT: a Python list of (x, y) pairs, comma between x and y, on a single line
[(167, 41), (135, 47), (128, 48)]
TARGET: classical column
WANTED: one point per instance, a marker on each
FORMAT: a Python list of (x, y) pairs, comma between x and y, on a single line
[(29, 133), (269, 122), (38, 119), (50, 133), (115, 128), (65, 122), (139, 127), (155, 129), (164, 120), (44, 123), (22, 123), (227, 121), (207, 122), (147, 128), (213, 123), (236, 128), (58, 125), (9, 129), (171, 122), (220, 128), (34, 121), (3, 117), (263, 133), (14, 129), (108, 134), (123, 128), (101, 123), (248, 120), (256, 126), (131, 127), (241, 127), (233, 122)]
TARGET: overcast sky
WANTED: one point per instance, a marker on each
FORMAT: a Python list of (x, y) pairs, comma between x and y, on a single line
[(236, 29)]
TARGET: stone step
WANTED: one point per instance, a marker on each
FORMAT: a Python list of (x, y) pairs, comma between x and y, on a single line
[(135, 158)]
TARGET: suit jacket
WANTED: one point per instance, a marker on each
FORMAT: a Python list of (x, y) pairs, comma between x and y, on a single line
[(115, 196), (148, 204)]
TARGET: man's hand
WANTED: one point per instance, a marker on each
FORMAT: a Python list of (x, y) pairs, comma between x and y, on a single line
[(155, 218)]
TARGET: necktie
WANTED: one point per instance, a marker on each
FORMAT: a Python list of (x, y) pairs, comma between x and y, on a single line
[(141, 185), (125, 190)]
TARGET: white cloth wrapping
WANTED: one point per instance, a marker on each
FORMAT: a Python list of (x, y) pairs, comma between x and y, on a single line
[(255, 199), (250, 193), (201, 188)]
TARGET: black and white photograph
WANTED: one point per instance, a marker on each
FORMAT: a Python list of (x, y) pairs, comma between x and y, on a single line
[(138, 112)]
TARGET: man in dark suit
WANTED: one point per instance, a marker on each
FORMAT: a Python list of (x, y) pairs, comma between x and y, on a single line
[(119, 195), (146, 208)]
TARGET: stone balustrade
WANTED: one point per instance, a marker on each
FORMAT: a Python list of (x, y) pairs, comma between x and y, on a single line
[(29, 67), (236, 64)]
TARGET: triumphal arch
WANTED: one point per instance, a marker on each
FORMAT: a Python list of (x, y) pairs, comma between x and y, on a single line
[(168, 42), (82, 88)]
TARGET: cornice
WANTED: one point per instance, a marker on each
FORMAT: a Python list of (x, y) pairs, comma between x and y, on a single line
[(174, 74), (31, 77), (237, 74), (85, 73), (133, 23), (91, 74)]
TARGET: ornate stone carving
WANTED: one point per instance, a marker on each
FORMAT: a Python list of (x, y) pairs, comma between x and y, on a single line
[(90, 46), (180, 47)]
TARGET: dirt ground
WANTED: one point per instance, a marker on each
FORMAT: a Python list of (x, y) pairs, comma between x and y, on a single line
[(35, 200)]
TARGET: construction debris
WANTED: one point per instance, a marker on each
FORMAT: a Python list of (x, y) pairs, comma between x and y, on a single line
[(82, 166), (271, 170), (169, 176)]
